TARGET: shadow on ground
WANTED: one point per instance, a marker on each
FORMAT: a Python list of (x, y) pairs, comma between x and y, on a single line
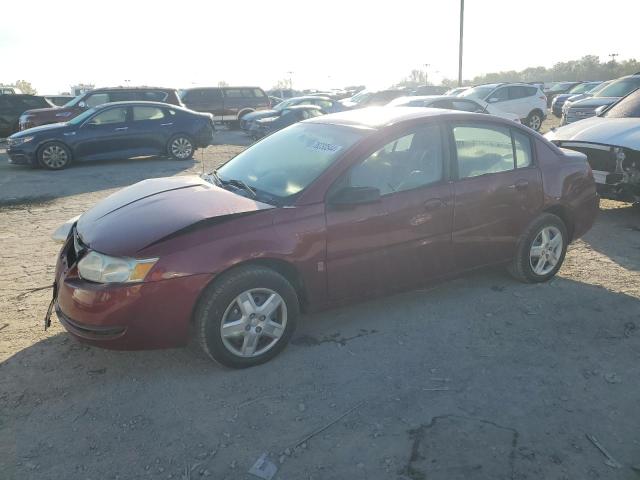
[(525, 370)]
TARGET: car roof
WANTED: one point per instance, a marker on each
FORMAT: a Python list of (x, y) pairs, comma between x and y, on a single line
[(142, 87), (303, 107), (140, 103), (378, 117), (309, 97), (231, 87)]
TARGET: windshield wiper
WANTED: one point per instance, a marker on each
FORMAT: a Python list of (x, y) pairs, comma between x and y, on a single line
[(213, 175), (240, 184)]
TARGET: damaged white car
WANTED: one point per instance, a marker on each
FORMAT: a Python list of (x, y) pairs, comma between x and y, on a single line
[(611, 141)]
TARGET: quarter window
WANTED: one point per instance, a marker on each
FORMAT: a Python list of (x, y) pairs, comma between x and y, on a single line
[(482, 150), (147, 113), (113, 115), (405, 163)]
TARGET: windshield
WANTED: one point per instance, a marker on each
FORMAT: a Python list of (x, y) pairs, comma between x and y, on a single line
[(478, 93), (559, 87), (583, 87), (628, 107), (361, 97), (286, 103), (285, 163), (73, 102), (619, 88), (82, 117)]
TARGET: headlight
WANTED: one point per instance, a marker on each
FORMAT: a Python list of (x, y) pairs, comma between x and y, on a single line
[(14, 142), (100, 268)]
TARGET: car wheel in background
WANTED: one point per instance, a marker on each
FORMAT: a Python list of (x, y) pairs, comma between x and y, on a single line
[(541, 250), (180, 147), (246, 317), (54, 156), (534, 120)]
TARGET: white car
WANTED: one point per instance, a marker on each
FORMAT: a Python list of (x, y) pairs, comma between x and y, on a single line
[(453, 103), (454, 92), (526, 101), (611, 141)]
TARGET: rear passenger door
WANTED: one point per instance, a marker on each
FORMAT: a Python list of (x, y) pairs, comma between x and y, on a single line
[(497, 190), (150, 129)]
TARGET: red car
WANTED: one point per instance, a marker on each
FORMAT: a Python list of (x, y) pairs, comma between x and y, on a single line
[(324, 212)]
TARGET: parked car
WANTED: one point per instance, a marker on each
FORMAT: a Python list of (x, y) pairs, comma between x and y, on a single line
[(93, 98), (453, 103), (59, 100), (369, 98), (326, 106), (611, 142), (526, 101), (454, 92), (559, 100), (429, 90), (581, 96), (558, 88), (226, 104), (12, 106), (9, 90), (327, 211), (610, 94), (282, 118), (113, 130)]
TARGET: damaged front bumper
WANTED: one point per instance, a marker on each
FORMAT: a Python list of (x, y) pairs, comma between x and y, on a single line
[(616, 170)]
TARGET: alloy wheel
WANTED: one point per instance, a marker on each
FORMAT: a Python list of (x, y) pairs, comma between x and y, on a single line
[(535, 122), (54, 156), (546, 250), (181, 148), (253, 322)]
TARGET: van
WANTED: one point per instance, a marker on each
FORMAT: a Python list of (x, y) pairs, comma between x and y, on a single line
[(226, 104)]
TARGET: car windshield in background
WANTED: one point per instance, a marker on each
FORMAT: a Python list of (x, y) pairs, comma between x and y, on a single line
[(583, 87), (619, 88), (628, 107), (559, 87), (478, 93), (284, 104), (82, 117), (361, 97), (73, 102), (285, 163)]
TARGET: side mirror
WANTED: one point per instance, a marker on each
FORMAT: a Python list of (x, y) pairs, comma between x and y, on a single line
[(82, 104), (355, 196), (600, 110)]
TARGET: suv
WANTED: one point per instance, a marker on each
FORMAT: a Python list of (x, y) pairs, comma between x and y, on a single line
[(588, 107), (93, 98), (226, 104), (526, 101), (11, 106)]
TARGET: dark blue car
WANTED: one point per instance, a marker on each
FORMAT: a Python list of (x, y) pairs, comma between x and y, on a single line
[(114, 131)]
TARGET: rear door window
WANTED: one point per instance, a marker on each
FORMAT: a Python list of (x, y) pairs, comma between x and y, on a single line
[(147, 113), (125, 96), (233, 93), (154, 96)]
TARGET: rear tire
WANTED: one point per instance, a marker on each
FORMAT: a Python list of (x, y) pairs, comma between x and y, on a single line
[(246, 317), (180, 147), (54, 156), (534, 120), (541, 250)]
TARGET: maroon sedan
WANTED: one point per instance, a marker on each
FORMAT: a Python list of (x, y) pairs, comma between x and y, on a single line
[(324, 212)]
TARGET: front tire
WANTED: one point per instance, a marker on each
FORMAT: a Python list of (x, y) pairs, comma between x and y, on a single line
[(246, 317), (534, 120), (180, 147), (54, 156), (541, 250)]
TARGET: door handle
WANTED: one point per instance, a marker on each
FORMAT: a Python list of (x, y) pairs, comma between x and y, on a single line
[(166, 124), (520, 185), (434, 204), (120, 129)]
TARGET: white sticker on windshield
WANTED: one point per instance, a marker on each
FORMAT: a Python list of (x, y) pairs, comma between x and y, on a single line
[(323, 146)]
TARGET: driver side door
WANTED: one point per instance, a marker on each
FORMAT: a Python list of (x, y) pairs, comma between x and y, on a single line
[(402, 239), (105, 135)]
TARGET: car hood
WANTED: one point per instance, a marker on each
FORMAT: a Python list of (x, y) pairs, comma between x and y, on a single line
[(593, 102), (149, 211), (41, 129), (618, 132)]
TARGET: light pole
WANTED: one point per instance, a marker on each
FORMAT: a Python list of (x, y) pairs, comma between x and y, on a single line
[(613, 57), (460, 49), (290, 81), (426, 73)]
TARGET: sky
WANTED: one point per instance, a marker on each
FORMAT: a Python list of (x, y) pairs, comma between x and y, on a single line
[(328, 44)]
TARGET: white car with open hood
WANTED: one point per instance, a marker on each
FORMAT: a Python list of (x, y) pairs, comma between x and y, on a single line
[(611, 141)]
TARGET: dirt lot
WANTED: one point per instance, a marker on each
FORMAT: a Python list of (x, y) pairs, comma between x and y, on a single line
[(478, 378)]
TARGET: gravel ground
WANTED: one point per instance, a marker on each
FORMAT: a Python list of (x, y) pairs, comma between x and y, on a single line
[(479, 378)]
